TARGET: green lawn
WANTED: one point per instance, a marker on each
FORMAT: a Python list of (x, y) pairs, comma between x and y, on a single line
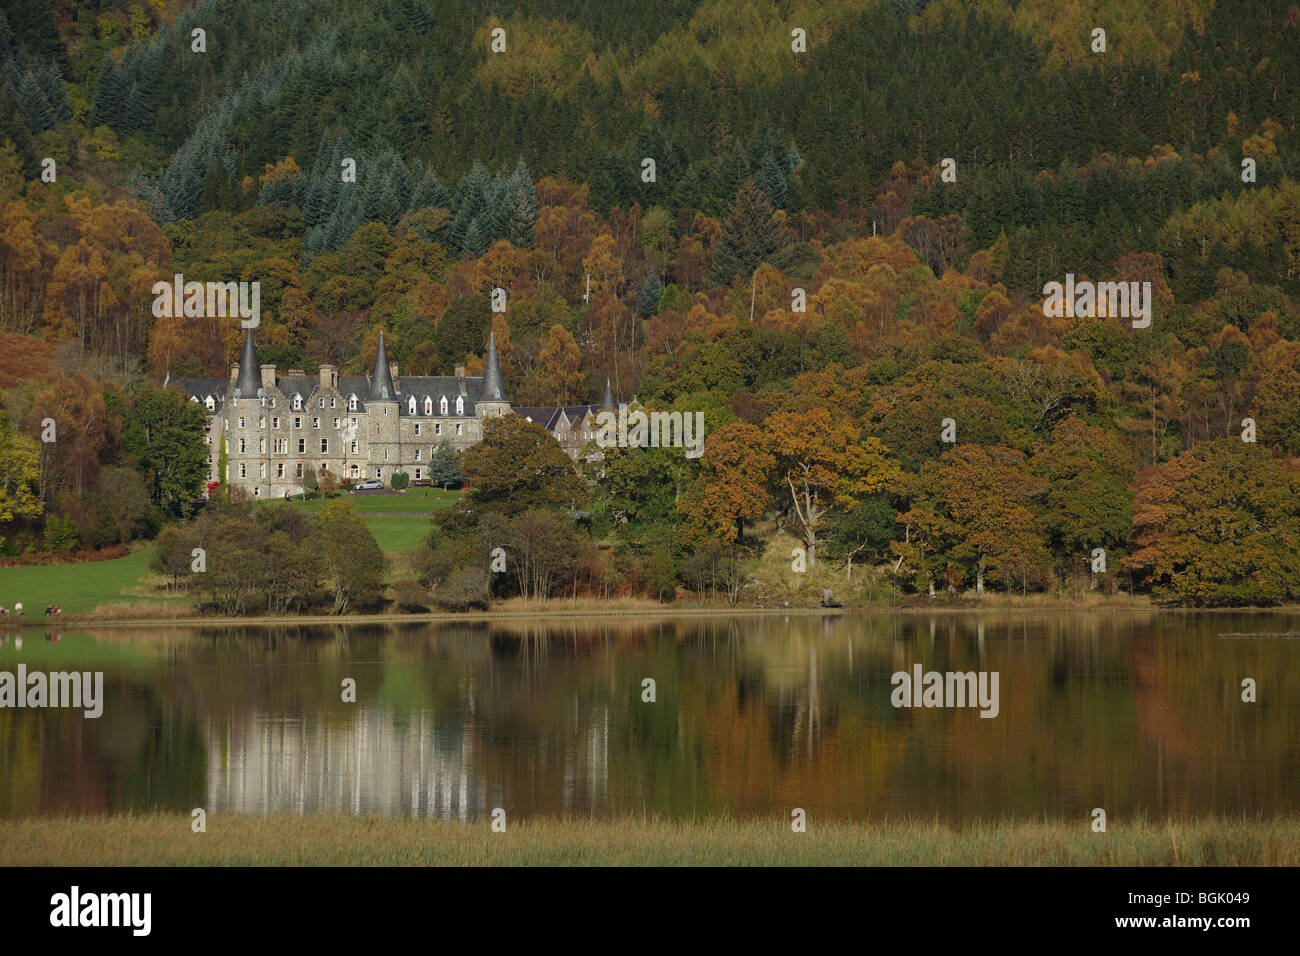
[(76, 588), (425, 500)]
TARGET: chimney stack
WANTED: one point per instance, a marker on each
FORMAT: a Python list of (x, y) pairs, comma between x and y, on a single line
[(460, 371), (268, 376), (327, 376), (392, 370), (234, 373)]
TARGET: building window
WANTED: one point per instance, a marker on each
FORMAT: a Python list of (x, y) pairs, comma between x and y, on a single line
[(297, 470), (355, 472), (261, 446), (354, 448), (458, 431), (353, 421), (273, 401), (442, 406), (437, 428), (379, 472), (332, 401), (209, 403), (336, 424), (243, 470), (261, 471), (385, 454), (297, 403), (241, 421), (257, 491), (241, 446), (261, 421), (417, 454), (460, 405), (428, 405), (410, 406), (352, 403), (418, 474), (281, 446), (207, 440), (315, 422), (417, 429), (209, 459), (279, 470), (297, 421), (275, 422), (302, 446), (324, 446), (322, 403)]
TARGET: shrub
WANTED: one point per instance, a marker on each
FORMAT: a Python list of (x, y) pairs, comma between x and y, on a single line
[(60, 534), (400, 480), (464, 589)]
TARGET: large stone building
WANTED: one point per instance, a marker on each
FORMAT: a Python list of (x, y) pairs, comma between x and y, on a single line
[(276, 427)]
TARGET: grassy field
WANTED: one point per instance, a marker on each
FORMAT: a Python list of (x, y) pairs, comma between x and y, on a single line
[(80, 588), (239, 840), (423, 500)]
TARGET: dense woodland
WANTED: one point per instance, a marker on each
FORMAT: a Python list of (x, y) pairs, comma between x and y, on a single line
[(775, 172)]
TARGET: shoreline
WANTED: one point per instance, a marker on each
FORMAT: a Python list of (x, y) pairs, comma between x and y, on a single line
[(584, 613)]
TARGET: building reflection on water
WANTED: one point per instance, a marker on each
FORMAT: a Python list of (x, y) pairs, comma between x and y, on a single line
[(379, 762)]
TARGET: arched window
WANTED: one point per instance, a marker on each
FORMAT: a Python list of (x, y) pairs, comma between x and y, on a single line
[(428, 405), (443, 409), (460, 405)]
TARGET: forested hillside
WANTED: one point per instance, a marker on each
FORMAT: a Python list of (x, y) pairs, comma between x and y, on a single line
[(776, 173)]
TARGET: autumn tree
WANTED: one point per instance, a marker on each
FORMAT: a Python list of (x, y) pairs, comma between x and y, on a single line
[(732, 486), (825, 466), (1219, 524)]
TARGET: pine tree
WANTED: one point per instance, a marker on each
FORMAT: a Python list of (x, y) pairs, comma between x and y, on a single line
[(520, 207), (651, 293), (771, 181), (444, 469), (750, 237), (430, 194)]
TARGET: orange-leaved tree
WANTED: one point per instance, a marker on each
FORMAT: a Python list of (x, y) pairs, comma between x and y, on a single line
[(732, 486), (826, 465)]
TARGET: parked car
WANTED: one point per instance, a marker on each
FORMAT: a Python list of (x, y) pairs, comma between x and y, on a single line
[(422, 483), (372, 484)]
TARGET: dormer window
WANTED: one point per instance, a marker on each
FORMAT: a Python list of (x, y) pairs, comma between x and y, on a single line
[(297, 403), (428, 405), (352, 403), (411, 406), (211, 405), (443, 407), (460, 405)]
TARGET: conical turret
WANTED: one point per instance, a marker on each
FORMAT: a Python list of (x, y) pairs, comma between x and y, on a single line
[(249, 380), (382, 388), (607, 404), (494, 389)]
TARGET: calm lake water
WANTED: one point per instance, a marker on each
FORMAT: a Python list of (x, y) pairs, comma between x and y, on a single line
[(753, 715)]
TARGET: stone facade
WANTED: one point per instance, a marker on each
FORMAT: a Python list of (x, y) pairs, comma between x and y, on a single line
[(360, 427)]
